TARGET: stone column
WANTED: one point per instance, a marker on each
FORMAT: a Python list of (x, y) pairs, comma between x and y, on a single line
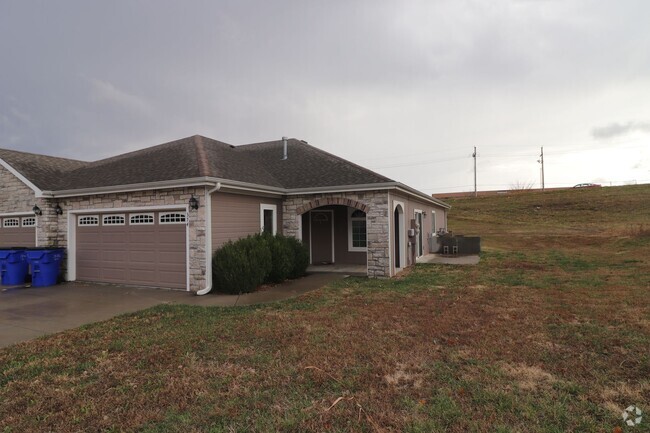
[(378, 234), (47, 224)]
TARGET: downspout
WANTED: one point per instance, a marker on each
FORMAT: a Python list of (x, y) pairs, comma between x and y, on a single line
[(208, 240)]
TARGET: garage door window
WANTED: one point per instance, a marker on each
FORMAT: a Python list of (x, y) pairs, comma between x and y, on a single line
[(88, 220), (172, 218), (29, 221), (141, 219), (113, 220), (10, 222)]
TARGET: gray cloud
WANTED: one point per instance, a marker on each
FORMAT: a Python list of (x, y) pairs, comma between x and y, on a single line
[(360, 78), (614, 130)]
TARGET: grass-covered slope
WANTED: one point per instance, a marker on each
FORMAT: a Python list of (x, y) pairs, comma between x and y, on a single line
[(549, 333)]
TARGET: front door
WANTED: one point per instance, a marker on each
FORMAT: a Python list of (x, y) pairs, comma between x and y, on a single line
[(322, 238)]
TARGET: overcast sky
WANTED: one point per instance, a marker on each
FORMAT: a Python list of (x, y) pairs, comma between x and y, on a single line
[(406, 88)]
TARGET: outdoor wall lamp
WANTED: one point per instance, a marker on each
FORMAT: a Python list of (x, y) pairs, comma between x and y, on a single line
[(58, 209), (37, 210), (194, 203)]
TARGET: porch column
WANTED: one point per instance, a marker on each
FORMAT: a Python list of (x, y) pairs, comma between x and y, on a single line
[(378, 233), (290, 216)]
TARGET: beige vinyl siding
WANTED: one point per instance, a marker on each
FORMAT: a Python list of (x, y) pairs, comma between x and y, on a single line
[(410, 205), (236, 216)]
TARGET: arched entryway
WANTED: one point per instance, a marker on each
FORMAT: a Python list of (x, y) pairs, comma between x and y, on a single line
[(336, 235), (399, 237)]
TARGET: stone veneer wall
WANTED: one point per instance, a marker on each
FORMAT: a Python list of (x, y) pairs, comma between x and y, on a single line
[(15, 196), (374, 203), (53, 228)]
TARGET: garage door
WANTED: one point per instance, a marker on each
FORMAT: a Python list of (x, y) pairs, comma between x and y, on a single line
[(19, 231), (144, 248)]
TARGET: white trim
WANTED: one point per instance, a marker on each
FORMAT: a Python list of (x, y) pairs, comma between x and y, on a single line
[(150, 215), (14, 214), (87, 225), (166, 184), (403, 236), (331, 211), (351, 248), (274, 209), (130, 209), (5, 226), (274, 192), (113, 215), (22, 221), (72, 234), (175, 214), (37, 192), (147, 186)]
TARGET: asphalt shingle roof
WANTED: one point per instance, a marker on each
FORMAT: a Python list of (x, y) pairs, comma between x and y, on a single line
[(193, 157), (43, 171)]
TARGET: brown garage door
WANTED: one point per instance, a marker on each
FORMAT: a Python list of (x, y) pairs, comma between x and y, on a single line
[(18, 231), (143, 248)]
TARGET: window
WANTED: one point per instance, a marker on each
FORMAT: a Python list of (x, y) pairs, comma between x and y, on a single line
[(357, 240), (11, 222), (268, 218), (88, 220), (141, 219), (433, 223), (113, 220), (29, 221), (172, 218)]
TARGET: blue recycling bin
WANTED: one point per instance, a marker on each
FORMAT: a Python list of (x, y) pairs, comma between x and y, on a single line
[(46, 265), (13, 266)]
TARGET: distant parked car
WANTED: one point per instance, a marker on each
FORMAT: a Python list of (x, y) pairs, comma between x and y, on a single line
[(587, 185)]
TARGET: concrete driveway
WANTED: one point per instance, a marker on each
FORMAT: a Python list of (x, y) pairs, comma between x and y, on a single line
[(27, 313)]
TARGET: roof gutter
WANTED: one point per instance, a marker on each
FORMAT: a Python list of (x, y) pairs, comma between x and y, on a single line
[(178, 183), (369, 187), (241, 186)]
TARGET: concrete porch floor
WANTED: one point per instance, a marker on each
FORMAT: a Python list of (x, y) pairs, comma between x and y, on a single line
[(342, 268)]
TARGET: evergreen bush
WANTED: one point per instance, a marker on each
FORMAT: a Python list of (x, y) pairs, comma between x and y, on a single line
[(243, 265)]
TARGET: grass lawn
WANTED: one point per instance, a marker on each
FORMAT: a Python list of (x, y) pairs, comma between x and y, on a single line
[(549, 333)]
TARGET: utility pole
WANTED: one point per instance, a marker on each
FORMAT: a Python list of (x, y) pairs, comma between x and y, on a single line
[(474, 156), (541, 161)]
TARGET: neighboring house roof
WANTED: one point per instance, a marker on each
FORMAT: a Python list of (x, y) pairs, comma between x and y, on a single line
[(198, 157), (43, 171)]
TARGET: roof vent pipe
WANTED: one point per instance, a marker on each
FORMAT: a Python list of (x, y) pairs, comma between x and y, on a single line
[(284, 142)]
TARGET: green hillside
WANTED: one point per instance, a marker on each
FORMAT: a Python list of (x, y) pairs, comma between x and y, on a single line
[(590, 219)]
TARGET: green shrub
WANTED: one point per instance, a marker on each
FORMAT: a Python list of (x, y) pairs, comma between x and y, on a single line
[(282, 256), (243, 265), (300, 257)]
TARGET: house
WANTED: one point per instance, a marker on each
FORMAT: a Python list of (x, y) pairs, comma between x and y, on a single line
[(152, 217)]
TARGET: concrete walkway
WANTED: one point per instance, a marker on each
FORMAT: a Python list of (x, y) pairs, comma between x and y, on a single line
[(27, 313), (449, 260)]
